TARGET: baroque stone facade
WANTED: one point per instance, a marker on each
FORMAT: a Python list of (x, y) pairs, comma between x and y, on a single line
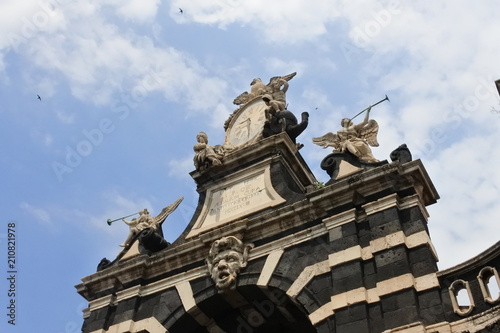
[(354, 256), (269, 249)]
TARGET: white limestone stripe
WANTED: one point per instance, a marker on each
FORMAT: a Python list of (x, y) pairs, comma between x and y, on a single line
[(349, 254), (189, 304), (337, 258), (394, 200), (169, 282), (306, 276), (322, 313), (152, 288), (186, 295), (472, 324), (373, 295), (149, 324), (380, 244), (101, 302), (340, 219), (292, 240), (381, 204), (270, 265)]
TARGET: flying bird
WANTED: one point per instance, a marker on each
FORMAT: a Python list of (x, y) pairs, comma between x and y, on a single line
[(181, 11), (38, 96)]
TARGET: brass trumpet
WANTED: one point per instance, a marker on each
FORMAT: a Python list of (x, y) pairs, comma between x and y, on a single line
[(111, 221), (383, 100)]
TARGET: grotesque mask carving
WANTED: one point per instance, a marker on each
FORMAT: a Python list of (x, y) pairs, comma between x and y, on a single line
[(225, 259)]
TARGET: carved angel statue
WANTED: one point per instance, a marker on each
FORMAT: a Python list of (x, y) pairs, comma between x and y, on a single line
[(206, 155), (258, 88), (145, 221), (355, 139)]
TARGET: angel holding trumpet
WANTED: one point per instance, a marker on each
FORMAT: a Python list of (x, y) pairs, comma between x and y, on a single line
[(145, 221), (355, 139)]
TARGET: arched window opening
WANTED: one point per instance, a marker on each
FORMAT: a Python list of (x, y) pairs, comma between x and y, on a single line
[(461, 297), (489, 281)]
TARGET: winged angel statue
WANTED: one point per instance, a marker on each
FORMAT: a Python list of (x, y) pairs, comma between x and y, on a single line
[(258, 88), (355, 139), (145, 221)]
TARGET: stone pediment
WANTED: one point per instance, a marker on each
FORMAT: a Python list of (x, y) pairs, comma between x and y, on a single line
[(236, 196), (252, 180)]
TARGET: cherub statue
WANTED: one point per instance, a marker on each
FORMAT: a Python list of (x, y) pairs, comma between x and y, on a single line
[(276, 101), (205, 155), (226, 258), (258, 88), (145, 221), (355, 139)]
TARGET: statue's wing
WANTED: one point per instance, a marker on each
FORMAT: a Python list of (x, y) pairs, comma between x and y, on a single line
[(241, 99), (328, 140), (285, 77), (167, 210), (369, 132)]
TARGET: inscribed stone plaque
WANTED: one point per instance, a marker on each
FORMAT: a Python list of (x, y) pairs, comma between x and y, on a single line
[(236, 198)]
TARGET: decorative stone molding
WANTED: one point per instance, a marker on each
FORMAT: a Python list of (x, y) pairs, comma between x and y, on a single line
[(454, 289), (271, 262), (487, 273), (380, 244), (472, 324), (226, 258), (237, 196), (305, 277), (188, 302), (373, 295)]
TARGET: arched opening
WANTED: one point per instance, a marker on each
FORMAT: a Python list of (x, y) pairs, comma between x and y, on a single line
[(461, 297), (494, 288), (248, 309), (489, 281)]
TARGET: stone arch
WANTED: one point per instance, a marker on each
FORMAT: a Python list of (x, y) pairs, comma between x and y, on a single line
[(489, 281), (455, 288), (248, 308)]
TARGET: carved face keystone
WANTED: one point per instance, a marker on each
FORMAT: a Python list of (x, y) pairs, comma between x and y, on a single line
[(225, 268), (226, 258)]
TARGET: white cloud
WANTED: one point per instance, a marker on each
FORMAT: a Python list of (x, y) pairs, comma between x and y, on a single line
[(180, 168), (40, 214), (467, 180), (439, 69), (3, 77), (138, 10), (100, 57), (116, 205), (276, 22)]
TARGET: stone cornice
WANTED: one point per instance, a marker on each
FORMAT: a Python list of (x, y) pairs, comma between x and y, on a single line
[(266, 225), (277, 145), (472, 264)]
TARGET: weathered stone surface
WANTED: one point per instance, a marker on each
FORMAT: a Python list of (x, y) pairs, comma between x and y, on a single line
[(354, 256)]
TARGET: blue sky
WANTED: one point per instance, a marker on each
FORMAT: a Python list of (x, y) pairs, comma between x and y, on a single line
[(127, 85)]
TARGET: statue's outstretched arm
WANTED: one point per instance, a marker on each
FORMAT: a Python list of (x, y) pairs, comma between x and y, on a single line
[(367, 116), (127, 222), (360, 126), (285, 85)]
